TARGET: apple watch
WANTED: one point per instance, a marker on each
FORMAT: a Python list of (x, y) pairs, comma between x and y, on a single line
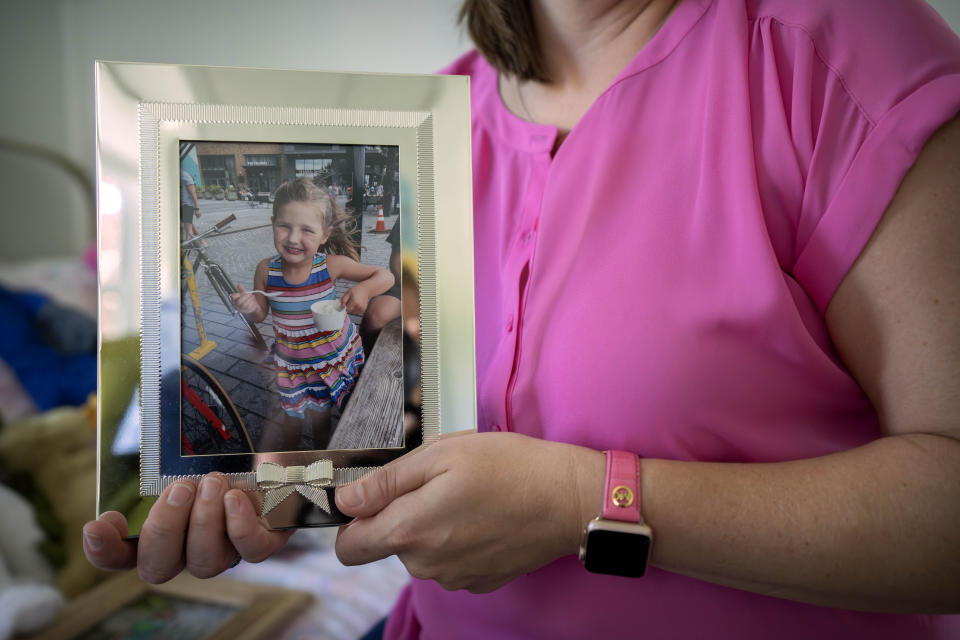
[(617, 542)]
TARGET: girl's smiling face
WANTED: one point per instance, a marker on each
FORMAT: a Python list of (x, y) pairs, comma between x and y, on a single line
[(298, 232)]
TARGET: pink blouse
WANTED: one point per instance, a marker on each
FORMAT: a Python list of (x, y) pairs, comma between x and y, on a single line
[(659, 284)]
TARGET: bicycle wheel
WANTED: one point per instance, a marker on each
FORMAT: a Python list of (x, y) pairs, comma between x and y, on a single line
[(224, 287), (209, 422)]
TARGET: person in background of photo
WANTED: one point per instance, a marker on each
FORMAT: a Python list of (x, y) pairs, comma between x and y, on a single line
[(717, 239), (386, 307), (189, 206), (315, 370)]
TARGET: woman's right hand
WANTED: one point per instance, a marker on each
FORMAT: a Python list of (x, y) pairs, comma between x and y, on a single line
[(244, 301), (204, 530)]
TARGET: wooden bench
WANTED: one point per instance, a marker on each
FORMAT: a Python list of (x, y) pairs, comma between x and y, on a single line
[(373, 417)]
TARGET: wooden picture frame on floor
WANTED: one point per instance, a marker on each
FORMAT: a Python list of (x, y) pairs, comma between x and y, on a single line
[(211, 609)]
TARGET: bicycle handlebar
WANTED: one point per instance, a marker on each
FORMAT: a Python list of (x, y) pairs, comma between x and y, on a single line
[(214, 229)]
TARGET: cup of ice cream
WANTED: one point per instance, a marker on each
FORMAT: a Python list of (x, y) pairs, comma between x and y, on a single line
[(328, 315)]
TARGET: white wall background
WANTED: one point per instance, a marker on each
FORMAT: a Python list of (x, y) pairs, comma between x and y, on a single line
[(48, 49), (950, 10)]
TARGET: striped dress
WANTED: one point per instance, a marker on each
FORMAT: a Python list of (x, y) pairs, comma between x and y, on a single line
[(314, 368)]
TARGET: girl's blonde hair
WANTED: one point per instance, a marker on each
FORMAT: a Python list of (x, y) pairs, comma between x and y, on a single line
[(333, 217)]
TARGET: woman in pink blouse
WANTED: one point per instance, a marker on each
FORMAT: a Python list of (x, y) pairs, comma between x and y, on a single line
[(721, 235)]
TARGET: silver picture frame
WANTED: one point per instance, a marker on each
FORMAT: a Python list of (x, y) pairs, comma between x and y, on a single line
[(150, 118)]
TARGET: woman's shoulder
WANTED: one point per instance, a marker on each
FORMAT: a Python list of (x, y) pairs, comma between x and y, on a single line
[(854, 15), (483, 77), (872, 46), (466, 65)]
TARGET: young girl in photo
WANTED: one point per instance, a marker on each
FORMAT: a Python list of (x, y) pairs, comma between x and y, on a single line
[(315, 369)]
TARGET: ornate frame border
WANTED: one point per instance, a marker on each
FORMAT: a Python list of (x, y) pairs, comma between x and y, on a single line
[(142, 109)]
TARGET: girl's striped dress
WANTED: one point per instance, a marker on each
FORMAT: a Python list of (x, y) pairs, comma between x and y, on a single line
[(314, 368)]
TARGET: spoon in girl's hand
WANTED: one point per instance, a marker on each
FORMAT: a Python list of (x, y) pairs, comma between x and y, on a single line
[(269, 294)]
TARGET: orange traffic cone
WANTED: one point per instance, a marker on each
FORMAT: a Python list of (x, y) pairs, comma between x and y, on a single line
[(381, 224)]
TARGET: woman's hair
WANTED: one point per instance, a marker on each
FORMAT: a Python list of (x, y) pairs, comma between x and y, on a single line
[(506, 36), (333, 217)]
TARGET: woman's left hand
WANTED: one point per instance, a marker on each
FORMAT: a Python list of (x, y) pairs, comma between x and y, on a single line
[(473, 511), (355, 300)]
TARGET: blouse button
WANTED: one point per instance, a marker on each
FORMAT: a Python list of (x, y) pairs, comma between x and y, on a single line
[(509, 324), (496, 427)]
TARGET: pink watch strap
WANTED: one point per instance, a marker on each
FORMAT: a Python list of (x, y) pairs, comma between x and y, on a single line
[(621, 493)]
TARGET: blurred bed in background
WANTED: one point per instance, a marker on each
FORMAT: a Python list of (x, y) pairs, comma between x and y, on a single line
[(48, 379), (48, 286)]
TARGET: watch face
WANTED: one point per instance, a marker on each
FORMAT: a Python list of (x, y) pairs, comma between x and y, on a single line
[(618, 553)]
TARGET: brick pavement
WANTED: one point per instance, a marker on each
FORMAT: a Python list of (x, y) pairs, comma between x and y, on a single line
[(246, 372)]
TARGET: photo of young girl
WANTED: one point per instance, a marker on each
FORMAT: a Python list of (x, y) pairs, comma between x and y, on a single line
[(301, 281), (316, 369)]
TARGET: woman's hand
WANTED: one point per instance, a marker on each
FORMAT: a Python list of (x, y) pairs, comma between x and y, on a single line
[(205, 530), (473, 511), (244, 301), (355, 300)]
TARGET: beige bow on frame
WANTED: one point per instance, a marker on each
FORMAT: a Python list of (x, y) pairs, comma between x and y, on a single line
[(310, 481)]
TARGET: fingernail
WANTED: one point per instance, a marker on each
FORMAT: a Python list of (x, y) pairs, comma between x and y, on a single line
[(94, 542), (210, 488), (179, 495), (351, 495), (232, 504)]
